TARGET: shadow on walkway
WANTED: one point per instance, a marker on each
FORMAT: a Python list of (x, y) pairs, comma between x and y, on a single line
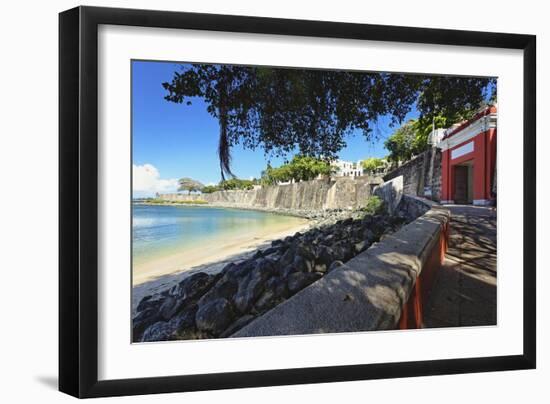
[(465, 289)]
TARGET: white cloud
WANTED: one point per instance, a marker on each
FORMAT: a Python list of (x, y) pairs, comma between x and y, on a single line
[(147, 181)]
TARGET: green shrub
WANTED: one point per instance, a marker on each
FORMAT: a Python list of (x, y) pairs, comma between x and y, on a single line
[(372, 164), (375, 206), (208, 189), (195, 202), (236, 183)]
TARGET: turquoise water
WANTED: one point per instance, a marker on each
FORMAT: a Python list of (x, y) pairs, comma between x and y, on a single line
[(163, 230)]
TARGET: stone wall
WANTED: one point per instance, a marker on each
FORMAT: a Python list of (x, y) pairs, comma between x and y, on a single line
[(338, 193), (421, 175), (391, 192)]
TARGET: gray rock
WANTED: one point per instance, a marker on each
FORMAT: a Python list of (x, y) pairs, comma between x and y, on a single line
[(267, 300), (285, 272), (347, 221), (320, 267), (299, 263), (193, 287), (150, 302), (168, 308), (326, 255), (160, 331), (250, 287), (309, 265), (360, 246), (287, 258), (181, 326), (142, 321), (214, 316), (185, 327), (306, 251), (275, 292), (224, 288), (271, 251), (277, 243)]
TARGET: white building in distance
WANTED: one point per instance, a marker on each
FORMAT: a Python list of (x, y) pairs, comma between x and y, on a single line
[(347, 168)]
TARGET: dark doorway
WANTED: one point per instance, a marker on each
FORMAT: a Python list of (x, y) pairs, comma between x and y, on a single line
[(463, 184)]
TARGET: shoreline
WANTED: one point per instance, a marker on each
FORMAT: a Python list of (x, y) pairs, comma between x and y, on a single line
[(164, 281), (162, 273), (304, 214)]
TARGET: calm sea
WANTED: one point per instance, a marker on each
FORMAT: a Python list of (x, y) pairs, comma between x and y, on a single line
[(163, 230)]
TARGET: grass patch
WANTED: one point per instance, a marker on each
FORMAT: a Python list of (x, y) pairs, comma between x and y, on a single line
[(176, 202)]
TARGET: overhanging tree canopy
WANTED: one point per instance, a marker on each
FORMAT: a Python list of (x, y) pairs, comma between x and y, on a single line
[(282, 109)]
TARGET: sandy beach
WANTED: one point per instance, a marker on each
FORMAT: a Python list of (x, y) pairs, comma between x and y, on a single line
[(215, 252), (158, 275)]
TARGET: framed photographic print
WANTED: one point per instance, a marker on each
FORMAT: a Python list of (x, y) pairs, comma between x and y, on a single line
[(251, 201)]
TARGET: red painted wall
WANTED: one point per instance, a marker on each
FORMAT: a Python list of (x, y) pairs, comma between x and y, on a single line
[(484, 163), (480, 167), (412, 313)]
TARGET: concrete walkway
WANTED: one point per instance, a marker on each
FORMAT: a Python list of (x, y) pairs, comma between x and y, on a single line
[(464, 292)]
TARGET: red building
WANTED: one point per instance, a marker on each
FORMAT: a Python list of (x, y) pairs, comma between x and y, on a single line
[(469, 160)]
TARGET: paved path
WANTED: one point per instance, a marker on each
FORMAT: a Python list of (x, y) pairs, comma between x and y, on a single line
[(464, 292)]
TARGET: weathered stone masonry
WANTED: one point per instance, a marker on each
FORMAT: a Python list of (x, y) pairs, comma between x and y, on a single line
[(338, 193), (421, 175)]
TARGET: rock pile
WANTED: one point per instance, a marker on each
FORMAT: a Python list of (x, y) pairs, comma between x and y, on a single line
[(216, 306)]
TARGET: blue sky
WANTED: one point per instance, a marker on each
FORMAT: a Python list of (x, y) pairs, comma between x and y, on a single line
[(171, 140)]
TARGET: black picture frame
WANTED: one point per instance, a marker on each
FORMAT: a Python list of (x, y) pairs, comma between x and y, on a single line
[(78, 201)]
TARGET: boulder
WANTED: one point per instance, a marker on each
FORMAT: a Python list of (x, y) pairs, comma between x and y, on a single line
[(181, 326), (361, 246), (185, 327), (267, 301), (277, 243), (252, 285), (214, 316), (326, 255), (368, 235), (285, 272), (142, 321), (193, 287), (320, 267), (275, 292), (160, 331), (306, 251), (168, 308), (287, 258), (224, 288), (299, 263), (150, 302), (270, 251)]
